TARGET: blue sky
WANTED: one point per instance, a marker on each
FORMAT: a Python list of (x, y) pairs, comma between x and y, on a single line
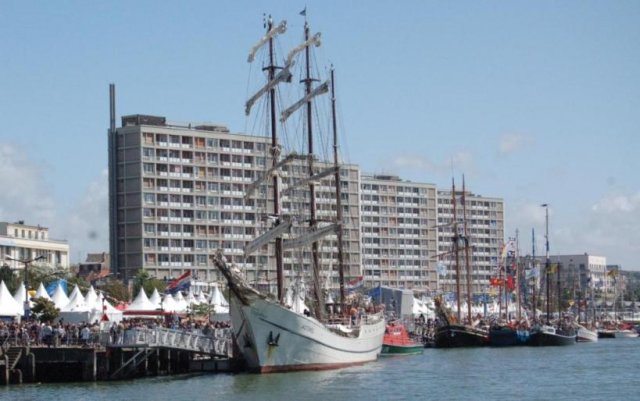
[(535, 102)]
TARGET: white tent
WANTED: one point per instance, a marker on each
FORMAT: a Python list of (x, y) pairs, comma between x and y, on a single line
[(102, 307), (8, 305), (75, 292), (59, 297), (181, 303), (191, 299), (42, 292), (21, 294), (91, 297), (169, 304), (202, 299), (155, 298), (217, 298), (76, 302), (141, 303), (76, 310)]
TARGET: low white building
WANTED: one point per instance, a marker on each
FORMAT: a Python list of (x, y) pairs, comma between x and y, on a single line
[(20, 242)]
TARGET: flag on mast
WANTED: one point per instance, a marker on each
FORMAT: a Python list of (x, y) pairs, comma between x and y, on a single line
[(181, 283), (304, 12)]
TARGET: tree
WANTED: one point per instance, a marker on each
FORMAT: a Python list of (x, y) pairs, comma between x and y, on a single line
[(44, 310), (142, 279), (10, 279), (116, 290), (207, 310)]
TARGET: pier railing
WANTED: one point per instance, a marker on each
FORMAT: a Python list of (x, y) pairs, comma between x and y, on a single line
[(217, 343)]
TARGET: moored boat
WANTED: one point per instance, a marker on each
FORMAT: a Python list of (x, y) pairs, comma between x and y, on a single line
[(396, 341), (270, 336), (584, 334), (606, 333), (273, 338), (502, 335), (458, 335), (546, 335)]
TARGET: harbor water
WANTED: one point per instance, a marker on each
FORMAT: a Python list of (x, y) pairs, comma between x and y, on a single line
[(607, 369)]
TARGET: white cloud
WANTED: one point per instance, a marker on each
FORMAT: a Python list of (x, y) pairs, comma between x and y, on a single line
[(510, 143), (25, 194), (87, 221), (459, 161), (24, 190), (609, 228)]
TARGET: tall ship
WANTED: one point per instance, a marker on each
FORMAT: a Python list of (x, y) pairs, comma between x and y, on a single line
[(270, 335), (456, 331)]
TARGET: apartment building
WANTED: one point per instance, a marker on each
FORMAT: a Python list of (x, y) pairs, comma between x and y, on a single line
[(481, 221), (398, 229), (177, 196), (22, 242), (583, 272)]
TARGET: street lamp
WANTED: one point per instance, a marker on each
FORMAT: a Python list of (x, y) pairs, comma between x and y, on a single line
[(26, 263)]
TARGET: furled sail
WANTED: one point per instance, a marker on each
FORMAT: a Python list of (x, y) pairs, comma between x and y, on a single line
[(252, 187), (280, 28), (313, 178), (266, 237), (319, 90), (309, 237), (314, 40), (283, 76)]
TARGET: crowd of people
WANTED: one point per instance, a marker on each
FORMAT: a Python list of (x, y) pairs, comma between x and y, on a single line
[(86, 334)]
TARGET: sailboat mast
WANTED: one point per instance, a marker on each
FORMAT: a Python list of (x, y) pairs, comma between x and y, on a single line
[(558, 289), (517, 280), (336, 163), (533, 267), (275, 153), (547, 262), (312, 187), (455, 245), (466, 250)]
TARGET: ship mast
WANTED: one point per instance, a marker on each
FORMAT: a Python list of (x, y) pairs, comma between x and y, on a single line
[(275, 156), (547, 262), (338, 192), (535, 278), (466, 250), (456, 238), (313, 222)]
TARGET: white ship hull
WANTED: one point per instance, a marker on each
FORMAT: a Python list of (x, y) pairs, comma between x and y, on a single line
[(586, 335), (626, 334), (273, 338)]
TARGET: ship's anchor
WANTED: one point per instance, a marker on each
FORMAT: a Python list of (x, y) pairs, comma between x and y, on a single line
[(273, 341)]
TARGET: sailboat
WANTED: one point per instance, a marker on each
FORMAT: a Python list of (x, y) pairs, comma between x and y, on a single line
[(271, 336), (453, 332), (505, 332), (547, 334)]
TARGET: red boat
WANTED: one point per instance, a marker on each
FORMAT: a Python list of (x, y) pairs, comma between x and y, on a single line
[(396, 341)]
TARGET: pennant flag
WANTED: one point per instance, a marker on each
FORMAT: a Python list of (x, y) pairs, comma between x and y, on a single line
[(355, 283), (553, 268), (304, 12), (181, 283)]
